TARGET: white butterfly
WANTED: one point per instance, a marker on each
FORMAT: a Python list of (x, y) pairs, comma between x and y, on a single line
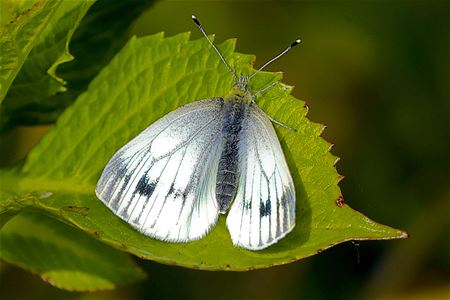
[(173, 180)]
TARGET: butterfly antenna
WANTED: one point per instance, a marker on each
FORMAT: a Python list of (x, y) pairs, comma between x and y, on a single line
[(214, 47), (295, 43)]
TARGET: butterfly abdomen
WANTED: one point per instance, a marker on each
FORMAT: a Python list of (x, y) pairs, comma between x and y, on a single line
[(227, 174)]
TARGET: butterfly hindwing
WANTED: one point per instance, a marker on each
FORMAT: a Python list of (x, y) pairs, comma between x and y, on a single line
[(163, 181), (264, 208)]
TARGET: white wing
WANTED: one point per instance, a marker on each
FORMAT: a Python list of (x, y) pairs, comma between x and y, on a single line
[(163, 181), (264, 208)]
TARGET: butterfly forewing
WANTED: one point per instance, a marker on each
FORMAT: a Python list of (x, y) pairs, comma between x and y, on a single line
[(264, 208), (163, 181)]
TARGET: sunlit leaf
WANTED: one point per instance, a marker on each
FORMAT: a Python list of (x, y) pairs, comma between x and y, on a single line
[(150, 77)]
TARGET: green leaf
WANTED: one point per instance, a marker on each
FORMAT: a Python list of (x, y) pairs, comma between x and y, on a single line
[(150, 77), (101, 33), (21, 27), (64, 256), (37, 75)]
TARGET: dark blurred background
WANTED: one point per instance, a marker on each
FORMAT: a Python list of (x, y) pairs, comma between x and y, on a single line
[(378, 74)]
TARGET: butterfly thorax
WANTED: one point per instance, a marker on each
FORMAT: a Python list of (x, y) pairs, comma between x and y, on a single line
[(240, 91)]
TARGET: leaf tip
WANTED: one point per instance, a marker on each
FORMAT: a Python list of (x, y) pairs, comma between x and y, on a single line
[(399, 234), (403, 234)]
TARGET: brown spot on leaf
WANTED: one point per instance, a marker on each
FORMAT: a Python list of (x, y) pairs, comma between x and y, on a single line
[(340, 201), (34, 7)]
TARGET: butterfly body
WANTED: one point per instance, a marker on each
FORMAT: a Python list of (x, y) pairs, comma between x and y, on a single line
[(236, 107)]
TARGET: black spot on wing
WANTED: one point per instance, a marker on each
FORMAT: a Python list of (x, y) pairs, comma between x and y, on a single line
[(264, 208), (144, 187), (177, 194)]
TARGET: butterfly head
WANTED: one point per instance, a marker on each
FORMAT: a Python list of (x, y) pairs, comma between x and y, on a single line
[(241, 89), (241, 84)]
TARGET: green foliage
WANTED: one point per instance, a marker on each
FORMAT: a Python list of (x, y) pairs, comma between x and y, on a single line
[(36, 75), (63, 256), (102, 33), (51, 75), (22, 25), (150, 77)]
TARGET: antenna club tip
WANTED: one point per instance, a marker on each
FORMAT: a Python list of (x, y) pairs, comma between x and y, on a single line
[(296, 42), (195, 20)]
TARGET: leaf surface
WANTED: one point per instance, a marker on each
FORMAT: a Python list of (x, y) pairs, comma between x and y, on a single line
[(150, 77), (96, 30), (36, 78), (64, 256), (21, 26)]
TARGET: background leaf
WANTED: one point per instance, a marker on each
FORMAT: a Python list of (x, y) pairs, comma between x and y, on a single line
[(37, 76), (150, 77), (22, 24), (64, 256), (98, 36)]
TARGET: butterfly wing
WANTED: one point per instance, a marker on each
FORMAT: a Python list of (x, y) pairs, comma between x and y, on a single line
[(264, 208), (163, 181)]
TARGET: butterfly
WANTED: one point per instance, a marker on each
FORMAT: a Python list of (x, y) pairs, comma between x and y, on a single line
[(210, 157)]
